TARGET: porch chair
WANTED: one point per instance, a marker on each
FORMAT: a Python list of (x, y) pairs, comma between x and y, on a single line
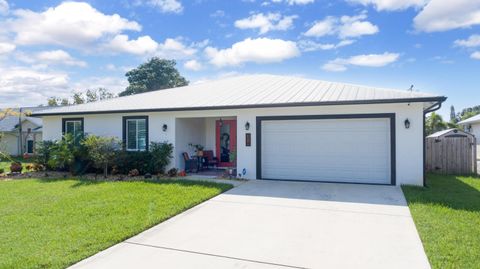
[(191, 164), (210, 160)]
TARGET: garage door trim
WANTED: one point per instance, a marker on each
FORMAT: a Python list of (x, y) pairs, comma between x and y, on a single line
[(390, 116)]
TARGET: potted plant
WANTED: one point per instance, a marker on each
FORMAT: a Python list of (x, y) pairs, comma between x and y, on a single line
[(232, 171)]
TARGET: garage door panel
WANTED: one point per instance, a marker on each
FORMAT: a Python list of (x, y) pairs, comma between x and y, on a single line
[(342, 150)]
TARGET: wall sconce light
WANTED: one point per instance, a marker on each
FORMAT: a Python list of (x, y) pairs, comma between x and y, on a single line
[(407, 124), (247, 126), (164, 127)]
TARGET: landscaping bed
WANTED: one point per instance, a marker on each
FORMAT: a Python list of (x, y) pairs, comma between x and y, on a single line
[(54, 223), (447, 217)]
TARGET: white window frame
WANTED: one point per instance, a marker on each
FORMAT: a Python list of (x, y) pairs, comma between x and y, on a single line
[(74, 128), (136, 120)]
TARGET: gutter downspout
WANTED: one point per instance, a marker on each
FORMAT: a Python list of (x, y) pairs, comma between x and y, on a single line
[(431, 108)]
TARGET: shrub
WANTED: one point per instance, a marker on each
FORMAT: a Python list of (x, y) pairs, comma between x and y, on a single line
[(43, 152), (133, 173), (16, 167), (2, 170), (172, 172), (125, 161), (161, 155), (29, 166), (101, 150), (62, 155)]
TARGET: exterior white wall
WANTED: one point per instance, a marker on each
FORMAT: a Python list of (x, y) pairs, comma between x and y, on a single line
[(409, 142), (476, 132), (9, 144)]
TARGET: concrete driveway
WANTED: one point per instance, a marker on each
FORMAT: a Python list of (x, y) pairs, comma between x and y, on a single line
[(263, 224)]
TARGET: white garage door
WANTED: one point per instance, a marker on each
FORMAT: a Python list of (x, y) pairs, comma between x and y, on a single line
[(337, 150)]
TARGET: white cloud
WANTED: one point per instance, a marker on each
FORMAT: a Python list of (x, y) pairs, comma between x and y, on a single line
[(367, 60), (266, 22), (355, 26), (4, 7), (58, 57), (470, 42), (43, 59), (22, 86), (323, 27), (391, 5), (6, 47), (114, 84), (193, 65), (167, 6), (70, 24), (443, 15), (475, 55), (308, 45), (294, 2), (260, 50), (140, 46), (343, 27), (175, 49)]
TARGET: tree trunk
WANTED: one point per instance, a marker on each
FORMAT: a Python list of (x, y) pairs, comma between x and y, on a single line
[(105, 171)]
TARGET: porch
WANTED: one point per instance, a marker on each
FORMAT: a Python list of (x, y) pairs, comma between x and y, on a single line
[(206, 146)]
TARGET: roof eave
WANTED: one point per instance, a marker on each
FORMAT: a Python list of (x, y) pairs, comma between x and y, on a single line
[(301, 104)]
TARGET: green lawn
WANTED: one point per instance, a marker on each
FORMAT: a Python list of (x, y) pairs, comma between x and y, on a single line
[(55, 223), (447, 216)]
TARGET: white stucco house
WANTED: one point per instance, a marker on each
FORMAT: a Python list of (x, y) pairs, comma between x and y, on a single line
[(16, 141), (280, 128), (472, 125)]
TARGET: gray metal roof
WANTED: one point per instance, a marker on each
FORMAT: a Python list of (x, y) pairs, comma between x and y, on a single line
[(443, 132), (471, 120), (10, 123), (248, 91)]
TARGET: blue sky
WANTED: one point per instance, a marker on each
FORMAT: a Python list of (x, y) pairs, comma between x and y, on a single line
[(51, 48)]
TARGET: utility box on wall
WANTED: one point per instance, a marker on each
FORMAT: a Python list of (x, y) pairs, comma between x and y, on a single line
[(451, 152)]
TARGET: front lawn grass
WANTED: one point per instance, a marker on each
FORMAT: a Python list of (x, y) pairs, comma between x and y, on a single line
[(56, 223), (447, 216)]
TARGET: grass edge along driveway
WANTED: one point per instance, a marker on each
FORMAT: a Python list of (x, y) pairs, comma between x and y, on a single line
[(58, 222), (447, 217)]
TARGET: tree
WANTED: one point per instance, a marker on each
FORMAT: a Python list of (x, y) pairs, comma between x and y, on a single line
[(90, 95), (52, 101), (156, 74), (78, 98), (101, 150), (434, 123), (63, 153), (453, 116)]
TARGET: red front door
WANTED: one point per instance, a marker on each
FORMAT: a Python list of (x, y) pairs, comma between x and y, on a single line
[(226, 131)]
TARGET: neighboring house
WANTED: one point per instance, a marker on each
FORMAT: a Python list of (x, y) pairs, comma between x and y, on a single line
[(271, 127), (472, 125), (31, 132)]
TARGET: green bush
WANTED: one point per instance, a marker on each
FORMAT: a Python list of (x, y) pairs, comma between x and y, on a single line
[(62, 155), (125, 161), (161, 155), (43, 152), (101, 150)]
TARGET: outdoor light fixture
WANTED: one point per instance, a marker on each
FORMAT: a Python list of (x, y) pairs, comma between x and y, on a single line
[(221, 122), (407, 124), (247, 126), (164, 127)]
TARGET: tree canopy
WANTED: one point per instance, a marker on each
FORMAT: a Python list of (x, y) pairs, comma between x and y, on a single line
[(156, 74), (90, 95)]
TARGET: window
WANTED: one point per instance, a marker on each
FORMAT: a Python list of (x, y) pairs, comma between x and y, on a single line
[(30, 146), (73, 127), (135, 133)]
